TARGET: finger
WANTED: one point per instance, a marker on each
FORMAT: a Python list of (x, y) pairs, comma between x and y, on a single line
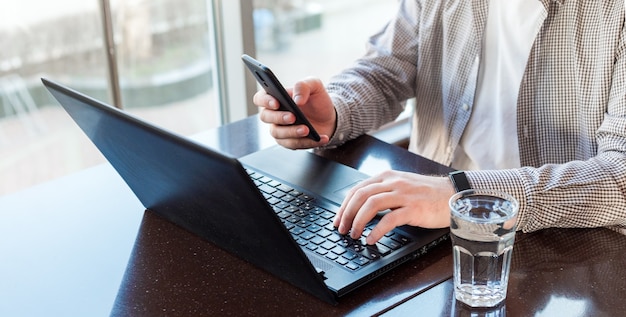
[(387, 223), (350, 195), (372, 206), (360, 203), (276, 117), (302, 143), (289, 131), (264, 100), (342, 208), (346, 201), (300, 93), (303, 89)]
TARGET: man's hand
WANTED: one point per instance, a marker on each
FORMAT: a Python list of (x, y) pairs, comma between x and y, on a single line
[(311, 97), (412, 199)]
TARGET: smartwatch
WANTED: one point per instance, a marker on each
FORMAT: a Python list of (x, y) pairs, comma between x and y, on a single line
[(459, 181)]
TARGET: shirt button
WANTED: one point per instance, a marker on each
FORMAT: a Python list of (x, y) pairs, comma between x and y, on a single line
[(466, 107)]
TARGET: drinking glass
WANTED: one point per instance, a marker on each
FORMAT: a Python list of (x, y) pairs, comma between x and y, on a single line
[(483, 224)]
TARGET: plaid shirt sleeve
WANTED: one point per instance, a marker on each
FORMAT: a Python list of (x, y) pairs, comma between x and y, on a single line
[(571, 106)]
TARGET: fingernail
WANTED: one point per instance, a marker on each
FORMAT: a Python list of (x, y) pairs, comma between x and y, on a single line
[(287, 118), (296, 99), (301, 131)]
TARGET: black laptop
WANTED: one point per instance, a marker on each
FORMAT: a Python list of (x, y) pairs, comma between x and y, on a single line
[(273, 208)]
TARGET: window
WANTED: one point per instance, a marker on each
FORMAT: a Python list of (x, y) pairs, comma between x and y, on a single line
[(37, 140), (166, 56), (164, 62), (316, 38)]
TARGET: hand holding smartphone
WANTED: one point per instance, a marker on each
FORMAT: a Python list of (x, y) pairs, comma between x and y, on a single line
[(265, 77)]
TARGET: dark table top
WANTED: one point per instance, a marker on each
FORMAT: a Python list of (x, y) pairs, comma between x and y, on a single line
[(82, 245)]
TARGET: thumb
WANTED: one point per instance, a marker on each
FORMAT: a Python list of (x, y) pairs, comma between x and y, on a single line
[(303, 89)]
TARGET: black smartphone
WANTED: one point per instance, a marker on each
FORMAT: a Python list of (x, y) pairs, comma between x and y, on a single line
[(266, 78)]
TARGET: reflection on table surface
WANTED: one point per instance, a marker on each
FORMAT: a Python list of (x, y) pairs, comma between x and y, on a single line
[(555, 272)]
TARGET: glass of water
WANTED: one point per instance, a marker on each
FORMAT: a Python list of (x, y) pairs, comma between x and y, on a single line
[(482, 226)]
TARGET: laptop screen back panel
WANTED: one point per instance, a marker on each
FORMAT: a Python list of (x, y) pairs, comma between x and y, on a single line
[(200, 190)]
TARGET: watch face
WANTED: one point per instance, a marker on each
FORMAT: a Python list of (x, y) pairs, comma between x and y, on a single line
[(459, 180)]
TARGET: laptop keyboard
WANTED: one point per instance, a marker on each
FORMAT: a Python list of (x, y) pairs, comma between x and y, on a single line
[(312, 227)]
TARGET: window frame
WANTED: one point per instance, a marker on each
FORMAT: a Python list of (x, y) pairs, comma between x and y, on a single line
[(231, 37)]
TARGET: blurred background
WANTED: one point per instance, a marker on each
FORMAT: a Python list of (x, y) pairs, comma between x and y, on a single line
[(164, 67)]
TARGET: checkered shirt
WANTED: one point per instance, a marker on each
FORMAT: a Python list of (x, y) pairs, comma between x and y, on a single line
[(571, 109)]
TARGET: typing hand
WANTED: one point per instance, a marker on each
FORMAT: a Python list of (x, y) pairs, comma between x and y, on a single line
[(412, 199)]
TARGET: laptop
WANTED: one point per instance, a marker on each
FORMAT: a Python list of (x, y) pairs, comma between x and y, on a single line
[(273, 208)]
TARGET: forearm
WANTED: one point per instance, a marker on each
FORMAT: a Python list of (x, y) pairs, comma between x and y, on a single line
[(576, 194), (368, 95), (372, 91)]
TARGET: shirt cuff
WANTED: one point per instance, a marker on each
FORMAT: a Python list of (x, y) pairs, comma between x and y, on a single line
[(343, 126)]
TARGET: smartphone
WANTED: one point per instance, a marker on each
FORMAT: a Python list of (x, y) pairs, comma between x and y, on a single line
[(265, 77)]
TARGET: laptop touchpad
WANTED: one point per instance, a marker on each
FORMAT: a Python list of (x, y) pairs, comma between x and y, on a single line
[(307, 171)]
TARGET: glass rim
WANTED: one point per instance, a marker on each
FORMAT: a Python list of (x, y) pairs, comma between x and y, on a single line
[(484, 192)]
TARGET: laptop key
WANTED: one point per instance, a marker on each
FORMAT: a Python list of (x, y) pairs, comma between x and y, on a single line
[(338, 250), (331, 256), (311, 247), (307, 235), (350, 255), (313, 227), (292, 219), (352, 266), (278, 194), (400, 238), (321, 251), (282, 205), (297, 231), (267, 189), (334, 237), (362, 261), (323, 223), (324, 233), (370, 253), (341, 260), (381, 249), (302, 242), (318, 240), (273, 200), (254, 175), (392, 244)]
